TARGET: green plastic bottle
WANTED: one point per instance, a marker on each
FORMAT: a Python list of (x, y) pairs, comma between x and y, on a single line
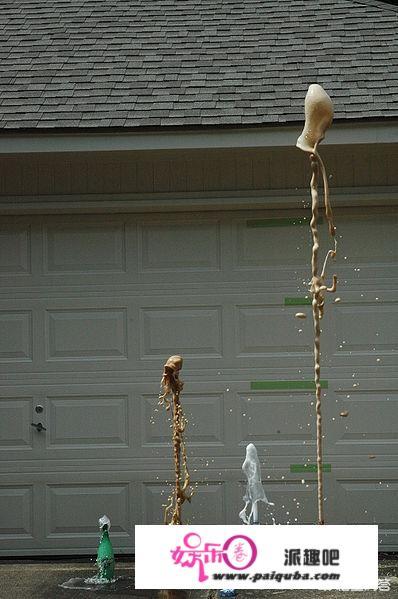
[(105, 556)]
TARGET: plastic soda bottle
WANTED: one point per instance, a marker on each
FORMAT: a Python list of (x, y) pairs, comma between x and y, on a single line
[(105, 556)]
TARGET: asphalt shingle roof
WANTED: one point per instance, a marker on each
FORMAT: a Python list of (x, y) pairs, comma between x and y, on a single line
[(137, 63)]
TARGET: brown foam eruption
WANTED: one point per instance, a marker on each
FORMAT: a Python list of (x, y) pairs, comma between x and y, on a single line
[(318, 117), (170, 397)]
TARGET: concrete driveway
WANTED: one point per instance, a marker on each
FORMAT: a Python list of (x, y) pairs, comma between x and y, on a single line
[(21, 579), (65, 580)]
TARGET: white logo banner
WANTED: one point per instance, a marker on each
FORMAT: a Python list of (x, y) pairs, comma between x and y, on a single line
[(256, 557)]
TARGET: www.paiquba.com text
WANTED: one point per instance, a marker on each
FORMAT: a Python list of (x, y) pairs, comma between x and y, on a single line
[(277, 576)]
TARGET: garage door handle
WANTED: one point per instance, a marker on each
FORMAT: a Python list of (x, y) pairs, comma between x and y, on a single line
[(39, 426)]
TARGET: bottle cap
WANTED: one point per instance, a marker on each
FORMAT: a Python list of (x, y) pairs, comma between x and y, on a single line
[(104, 521)]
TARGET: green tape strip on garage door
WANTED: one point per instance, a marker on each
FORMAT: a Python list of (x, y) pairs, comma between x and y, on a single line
[(307, 385), (279, 222), (309, 468), (297, 301)]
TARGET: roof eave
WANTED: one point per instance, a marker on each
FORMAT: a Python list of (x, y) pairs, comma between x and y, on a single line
[(184, 138)]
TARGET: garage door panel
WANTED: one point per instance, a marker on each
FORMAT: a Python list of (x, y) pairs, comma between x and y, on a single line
[(71, 249), (16, 338), (295, 501), (15, 251), (45, 336), (208, 503), (209, 407), (21, 349), (86, 248), (267, 331), (376, 279), (365, 334), (84, 422), (362, 246), (356, 494), (90, 334), (269, 336), (16, 507), (280, 422), (73, 511), (214, 336), (205, 422), (193, 331), (371, 500), (64, 515), (259, 242), (16, 432), (19, 440), (360, 418), (179, 247)]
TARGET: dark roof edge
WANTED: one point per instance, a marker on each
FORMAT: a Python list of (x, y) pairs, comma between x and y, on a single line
[(48, 131), (378, 4), (104, 140)]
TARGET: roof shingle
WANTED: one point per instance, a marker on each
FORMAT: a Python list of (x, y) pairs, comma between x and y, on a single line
[(122, 63)]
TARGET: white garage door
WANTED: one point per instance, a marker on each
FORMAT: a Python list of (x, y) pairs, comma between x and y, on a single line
[(91, 306)]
